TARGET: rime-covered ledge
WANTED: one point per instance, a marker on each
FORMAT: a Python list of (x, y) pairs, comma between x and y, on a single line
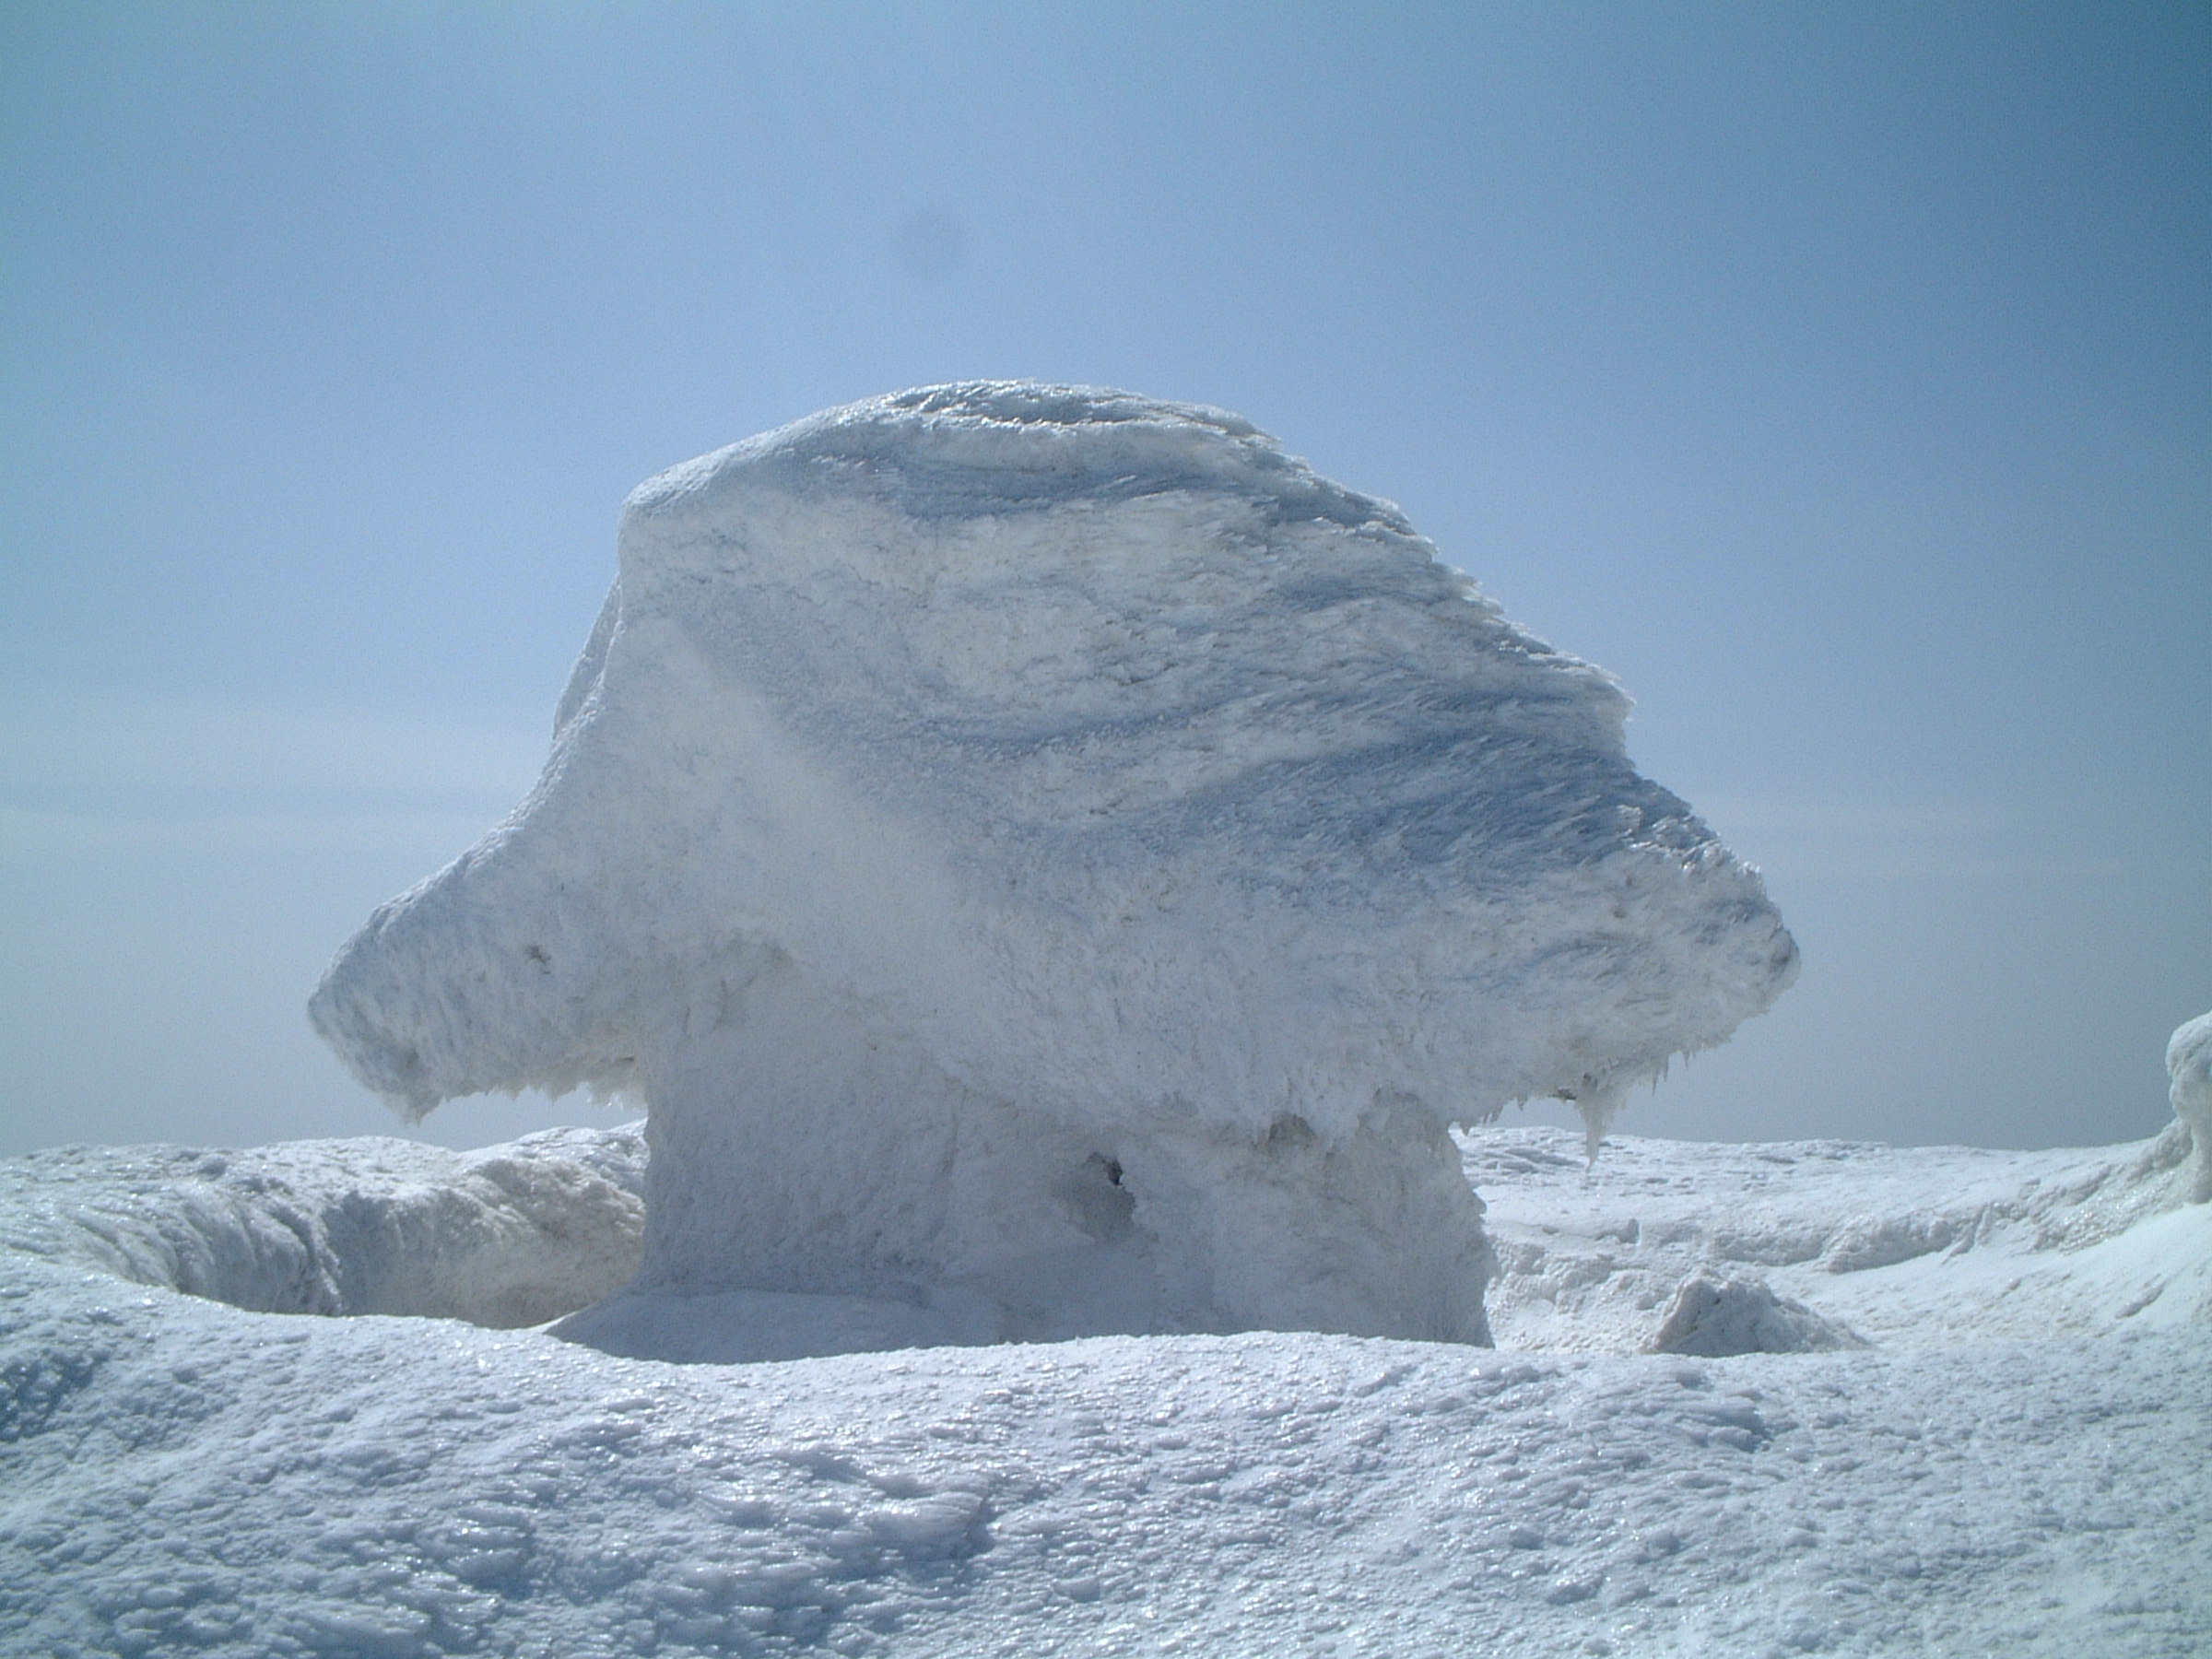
[(2189, 1065), (1047, 855)]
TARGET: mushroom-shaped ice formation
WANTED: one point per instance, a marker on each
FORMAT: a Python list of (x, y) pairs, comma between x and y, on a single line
[(1047, 848), (2189, 1065)]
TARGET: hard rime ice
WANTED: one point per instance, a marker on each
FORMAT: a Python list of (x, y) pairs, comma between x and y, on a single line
[(1049, 857), (2189, 1065)]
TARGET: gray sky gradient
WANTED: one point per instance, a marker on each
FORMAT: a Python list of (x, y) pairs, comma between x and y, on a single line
[(1836, 375)]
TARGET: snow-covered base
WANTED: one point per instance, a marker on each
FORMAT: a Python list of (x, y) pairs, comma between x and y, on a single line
[(2017, 1464), (778, 1173)]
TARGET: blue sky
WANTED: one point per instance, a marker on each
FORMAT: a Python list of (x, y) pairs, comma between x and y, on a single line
[(1836, 375)]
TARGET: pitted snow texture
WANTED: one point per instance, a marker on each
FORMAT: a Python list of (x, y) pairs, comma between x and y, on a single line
[(240, 1485)]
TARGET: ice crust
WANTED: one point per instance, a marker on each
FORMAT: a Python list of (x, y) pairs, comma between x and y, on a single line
[(1043, 845)]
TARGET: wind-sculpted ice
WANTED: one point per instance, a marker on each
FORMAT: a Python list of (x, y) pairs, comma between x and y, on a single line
[(2189, 1064), (1049, 857)]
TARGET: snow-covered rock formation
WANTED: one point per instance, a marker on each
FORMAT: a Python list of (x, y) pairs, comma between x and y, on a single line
[(2189, 1064), (1049, 855)]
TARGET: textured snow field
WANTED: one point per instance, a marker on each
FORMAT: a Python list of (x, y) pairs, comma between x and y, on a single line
[(2017, 1464)]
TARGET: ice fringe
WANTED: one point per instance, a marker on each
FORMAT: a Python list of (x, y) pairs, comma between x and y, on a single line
[(1049, 848)]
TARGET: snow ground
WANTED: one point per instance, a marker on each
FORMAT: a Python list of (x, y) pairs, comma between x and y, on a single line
[(2016, 1463)]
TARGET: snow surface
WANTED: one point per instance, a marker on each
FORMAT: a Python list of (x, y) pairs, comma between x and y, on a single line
[(2017, 1464), (1048, 851)]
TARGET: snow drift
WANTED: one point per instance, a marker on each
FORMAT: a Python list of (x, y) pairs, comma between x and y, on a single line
[(1048, 851)]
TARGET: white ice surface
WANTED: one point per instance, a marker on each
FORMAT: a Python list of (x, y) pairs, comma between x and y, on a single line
[(2018, 1464)]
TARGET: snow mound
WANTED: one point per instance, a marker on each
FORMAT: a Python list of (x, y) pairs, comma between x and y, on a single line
[(2189, 1064), (1715, 1315), (511, 1235), (1044, 843)]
